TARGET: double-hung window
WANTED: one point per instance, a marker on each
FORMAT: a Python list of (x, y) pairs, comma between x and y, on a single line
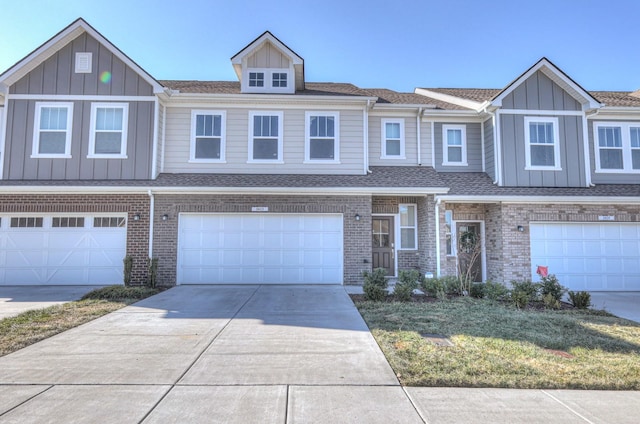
[(108, 138), (256, 79), (279, 79), (408, 227), (52, 130), (542, 143), (322, 137), (207, 136), (454, 149), (265, 139), (617, 147), (392, 139)]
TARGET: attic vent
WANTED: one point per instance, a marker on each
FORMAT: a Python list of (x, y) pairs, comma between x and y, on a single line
[(83, 63)]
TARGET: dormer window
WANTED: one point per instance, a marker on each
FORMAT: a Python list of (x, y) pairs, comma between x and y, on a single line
[(268, 80), (279, 79), (256, 79)]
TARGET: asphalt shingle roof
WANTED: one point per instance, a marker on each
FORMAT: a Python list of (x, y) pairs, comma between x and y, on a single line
[(394, 97)]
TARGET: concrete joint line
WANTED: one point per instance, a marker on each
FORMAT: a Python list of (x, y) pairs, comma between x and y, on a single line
[(567, 406), (423, 418), (26, 400), (204, 349)]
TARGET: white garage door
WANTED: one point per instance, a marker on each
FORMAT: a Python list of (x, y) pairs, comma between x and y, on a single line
[(259, 249), (62, 250), (589, 256)]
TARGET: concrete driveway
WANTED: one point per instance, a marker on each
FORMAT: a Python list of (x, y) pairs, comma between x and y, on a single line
[(623, 304), (15, 300), (254, 354)]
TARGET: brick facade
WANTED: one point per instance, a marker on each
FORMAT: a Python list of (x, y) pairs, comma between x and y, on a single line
[(131, 204), (507, 250), (357, 234)]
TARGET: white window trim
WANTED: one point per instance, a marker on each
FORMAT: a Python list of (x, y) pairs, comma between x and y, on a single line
[(336, 138), (556, 143), (92, 133), (414, 226), (383, 137), (223, 136), (280, 116), (625, 130), (445, 145), (268, 80), (36, 131)]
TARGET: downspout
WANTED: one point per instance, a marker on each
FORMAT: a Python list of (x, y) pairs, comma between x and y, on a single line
[(437, 237), (164, 131), (433, 144), (365, 124), (497, 145), (418, 141), (151, 214), (587, 150), (3, 134), (154, 154)]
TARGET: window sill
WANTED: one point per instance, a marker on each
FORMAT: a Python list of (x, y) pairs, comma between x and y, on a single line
[(50, 156), (107, 157), (542, 168), (266, 161), (393, 157), (455, 164), (617, 171), (407, 249), (206, 161)]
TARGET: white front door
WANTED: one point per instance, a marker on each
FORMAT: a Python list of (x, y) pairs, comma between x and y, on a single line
[(588, 256), (260, 249), (62, 249)]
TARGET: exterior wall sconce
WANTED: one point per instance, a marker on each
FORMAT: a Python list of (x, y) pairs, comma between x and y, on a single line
[(357, 217), (165, 217), (521, 228), (136, 217)]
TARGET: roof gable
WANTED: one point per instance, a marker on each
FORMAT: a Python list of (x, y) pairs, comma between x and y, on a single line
[(59, 41), (556, 75)]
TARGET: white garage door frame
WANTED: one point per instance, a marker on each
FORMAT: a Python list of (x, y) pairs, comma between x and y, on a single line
[(34, 254), (592, 256), (233, 248)]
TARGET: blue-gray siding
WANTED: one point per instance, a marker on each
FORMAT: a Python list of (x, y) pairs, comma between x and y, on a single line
[(474, 148), (538, 92), (571, 154), (489, 153), (56, 75), (18, 163)]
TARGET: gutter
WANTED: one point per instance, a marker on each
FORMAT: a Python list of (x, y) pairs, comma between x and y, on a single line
[(595, 200), (151, 215)]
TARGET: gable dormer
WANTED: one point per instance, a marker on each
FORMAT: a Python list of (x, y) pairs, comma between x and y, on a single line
[(267, 65)]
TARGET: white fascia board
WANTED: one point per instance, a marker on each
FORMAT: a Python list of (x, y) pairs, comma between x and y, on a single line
[(265, 101), (60, 40), (401, 106), (610, 112), (259, 42), (450, 99), (51, 189), (542, 199)]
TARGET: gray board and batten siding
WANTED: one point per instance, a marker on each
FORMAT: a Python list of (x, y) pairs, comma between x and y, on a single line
[(489, 153), (474, 148), (539, 92), (56, 76)]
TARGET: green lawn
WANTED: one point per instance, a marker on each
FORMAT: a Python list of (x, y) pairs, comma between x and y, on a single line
[(499, 346)]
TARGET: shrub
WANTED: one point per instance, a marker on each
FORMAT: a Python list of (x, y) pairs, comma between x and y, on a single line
[(550, 302), (452, 285), (520, 298), (120, 293), (407, 283), (375, 285), (477, 290), (435, 287), (128, 266), (527, 287), (580, 299), (495, 291), (550, 285), (152, 272)]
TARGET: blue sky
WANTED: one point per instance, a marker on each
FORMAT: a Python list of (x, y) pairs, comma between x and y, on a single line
[(396, 44)]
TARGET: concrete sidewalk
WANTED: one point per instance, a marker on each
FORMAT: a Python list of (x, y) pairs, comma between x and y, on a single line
[(243, 354), (15, 300)]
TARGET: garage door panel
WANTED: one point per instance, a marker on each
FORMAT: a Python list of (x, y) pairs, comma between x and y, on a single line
[(263, 249), (588, 256)]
